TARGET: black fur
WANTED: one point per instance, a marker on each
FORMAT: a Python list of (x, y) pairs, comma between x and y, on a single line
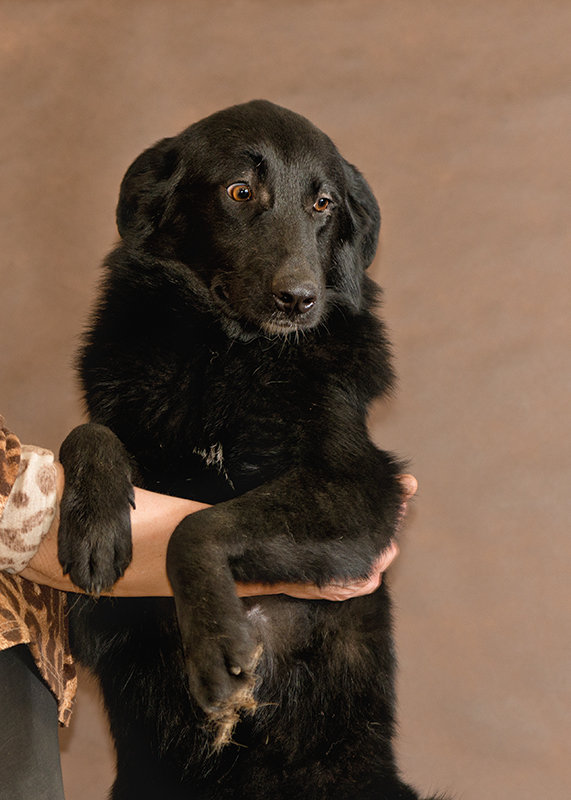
[(234, 353)]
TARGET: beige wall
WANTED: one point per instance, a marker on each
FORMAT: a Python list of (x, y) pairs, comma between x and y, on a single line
[(459, 114)]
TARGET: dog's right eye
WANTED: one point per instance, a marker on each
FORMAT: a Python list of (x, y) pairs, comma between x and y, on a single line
[(240, 192)]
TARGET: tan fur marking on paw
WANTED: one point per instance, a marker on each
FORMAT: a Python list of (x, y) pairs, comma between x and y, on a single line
[(223, 721)]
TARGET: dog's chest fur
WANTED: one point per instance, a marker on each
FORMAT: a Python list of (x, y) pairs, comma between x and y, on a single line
[(208, 417)]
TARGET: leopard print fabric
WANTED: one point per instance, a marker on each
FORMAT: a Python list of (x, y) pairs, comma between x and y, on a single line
[(10, 451), (29, 613), (30, 507)]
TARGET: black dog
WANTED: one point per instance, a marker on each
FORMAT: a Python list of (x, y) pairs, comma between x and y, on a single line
[(233, 354)]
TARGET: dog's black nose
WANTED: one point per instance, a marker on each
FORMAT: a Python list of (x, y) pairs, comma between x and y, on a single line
[(295, 299)]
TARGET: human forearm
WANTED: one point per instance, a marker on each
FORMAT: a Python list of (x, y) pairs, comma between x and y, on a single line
[(152, 522)]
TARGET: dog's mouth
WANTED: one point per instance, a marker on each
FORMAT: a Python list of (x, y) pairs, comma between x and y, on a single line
[(280, 325), (284, 327)]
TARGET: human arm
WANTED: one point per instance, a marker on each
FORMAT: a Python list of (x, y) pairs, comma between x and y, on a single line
[(152, 522)]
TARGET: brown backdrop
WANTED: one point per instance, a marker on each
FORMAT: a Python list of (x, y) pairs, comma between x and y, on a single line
[(459, 114)]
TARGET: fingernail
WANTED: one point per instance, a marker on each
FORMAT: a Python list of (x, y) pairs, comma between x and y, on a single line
[(409, 484)]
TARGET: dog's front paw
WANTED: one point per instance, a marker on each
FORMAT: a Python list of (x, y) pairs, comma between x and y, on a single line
[(220, 644), (221, 653), (94, 539), (95, 543)]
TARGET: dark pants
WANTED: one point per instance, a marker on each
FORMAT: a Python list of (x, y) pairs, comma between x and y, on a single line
[(29, 752)]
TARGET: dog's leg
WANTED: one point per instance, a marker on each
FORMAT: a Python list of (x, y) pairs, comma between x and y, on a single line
[(220, 648), (294, 530), (94, 543)]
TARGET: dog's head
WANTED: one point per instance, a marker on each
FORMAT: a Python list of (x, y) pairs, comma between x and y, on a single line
[(257, 211)]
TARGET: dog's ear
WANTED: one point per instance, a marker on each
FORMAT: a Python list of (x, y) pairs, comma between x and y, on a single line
[(358, 237), (365, 214), (146, 198)]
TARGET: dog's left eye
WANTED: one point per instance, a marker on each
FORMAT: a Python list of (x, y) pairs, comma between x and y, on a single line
[(240, 192), (321, 203)]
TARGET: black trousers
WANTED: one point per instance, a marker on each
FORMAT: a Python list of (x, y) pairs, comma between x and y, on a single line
[(29, 751)]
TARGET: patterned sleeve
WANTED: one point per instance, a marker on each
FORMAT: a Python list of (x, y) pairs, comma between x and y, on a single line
[(28, 501)]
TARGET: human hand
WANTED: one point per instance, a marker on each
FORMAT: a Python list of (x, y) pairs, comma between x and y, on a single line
[(340, 591)]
